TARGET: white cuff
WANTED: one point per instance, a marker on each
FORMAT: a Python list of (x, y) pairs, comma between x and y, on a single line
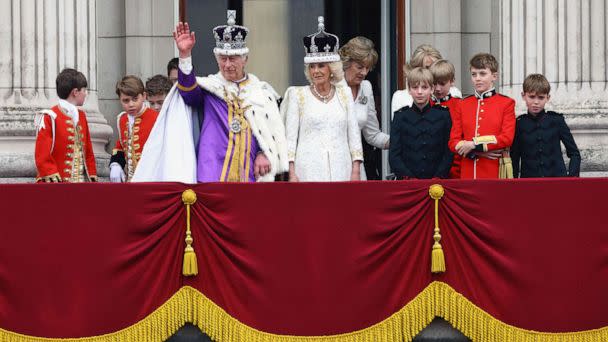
[(185, 65)]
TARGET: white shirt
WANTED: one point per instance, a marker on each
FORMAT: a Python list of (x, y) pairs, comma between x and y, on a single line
[(402, 98)]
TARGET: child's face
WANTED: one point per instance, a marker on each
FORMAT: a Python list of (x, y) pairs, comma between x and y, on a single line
[(156, 101), (421, 92), (535, 102), (79, 95), (132, 104), (442, 89), (173, 75), (483, 79)]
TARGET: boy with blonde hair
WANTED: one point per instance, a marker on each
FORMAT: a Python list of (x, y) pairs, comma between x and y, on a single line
[(538, 135), (134, 125), (420, 133), (484, 125), (444, 75)]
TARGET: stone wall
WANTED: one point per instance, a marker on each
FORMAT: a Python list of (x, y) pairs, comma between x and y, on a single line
[(134, 37), (39, 39)]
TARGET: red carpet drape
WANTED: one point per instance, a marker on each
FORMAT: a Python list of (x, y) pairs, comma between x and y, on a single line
[(305, 260)]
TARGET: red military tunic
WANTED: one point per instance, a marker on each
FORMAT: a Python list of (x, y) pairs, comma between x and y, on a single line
[(131, 143), (451, 102), (489, 121), (68, 156)]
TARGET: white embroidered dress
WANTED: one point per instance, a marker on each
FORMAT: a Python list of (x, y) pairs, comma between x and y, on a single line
[(323, 139)]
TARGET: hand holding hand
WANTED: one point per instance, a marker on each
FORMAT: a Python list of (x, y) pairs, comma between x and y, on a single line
[(261, 165), (465, 148)]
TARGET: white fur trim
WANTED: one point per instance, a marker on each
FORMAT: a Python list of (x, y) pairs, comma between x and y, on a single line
[(231, 52), (169, 153), (322, 59)]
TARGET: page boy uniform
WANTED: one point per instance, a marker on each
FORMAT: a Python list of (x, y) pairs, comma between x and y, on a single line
[(419, 142), (63, 151), (488, 119), (133, 133), (537, 147)]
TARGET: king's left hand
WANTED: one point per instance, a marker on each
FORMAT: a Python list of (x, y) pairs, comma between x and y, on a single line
[(261, 165)]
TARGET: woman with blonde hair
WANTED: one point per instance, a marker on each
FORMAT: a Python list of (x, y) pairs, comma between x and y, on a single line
[(323, 139), (424, 56), (359, 57)]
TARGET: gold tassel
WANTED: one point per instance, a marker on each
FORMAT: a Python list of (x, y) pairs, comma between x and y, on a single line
[(190, 266), (505, 166), (437, 258), (508, 166)]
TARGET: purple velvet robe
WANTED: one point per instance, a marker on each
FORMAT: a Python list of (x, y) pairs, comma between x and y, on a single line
[(213, 154)]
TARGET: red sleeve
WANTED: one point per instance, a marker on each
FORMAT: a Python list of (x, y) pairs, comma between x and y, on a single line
[(118, 147), (45, 163), (90, 157), (456, 134), (505, 138)]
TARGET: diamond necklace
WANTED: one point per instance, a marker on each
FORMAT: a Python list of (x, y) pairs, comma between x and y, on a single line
[(321, 97)]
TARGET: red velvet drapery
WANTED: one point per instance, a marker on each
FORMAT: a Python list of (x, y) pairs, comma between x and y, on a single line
[(302, 259)]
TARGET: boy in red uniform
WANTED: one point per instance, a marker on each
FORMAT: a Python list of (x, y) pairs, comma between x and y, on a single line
[(134, 126), (444, 75), (64, 152), (484, 125)]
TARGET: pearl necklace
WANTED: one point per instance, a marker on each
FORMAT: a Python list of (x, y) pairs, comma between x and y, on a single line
[(325, 98)]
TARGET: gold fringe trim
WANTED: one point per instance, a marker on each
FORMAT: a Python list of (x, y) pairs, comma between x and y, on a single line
[(438, 299)]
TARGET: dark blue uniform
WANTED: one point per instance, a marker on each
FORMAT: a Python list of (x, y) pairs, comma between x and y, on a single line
[(419, 142), (537, 147)]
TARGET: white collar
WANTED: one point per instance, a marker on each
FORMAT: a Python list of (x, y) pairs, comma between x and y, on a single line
[(235, 83), (488, 93), (71, 109)]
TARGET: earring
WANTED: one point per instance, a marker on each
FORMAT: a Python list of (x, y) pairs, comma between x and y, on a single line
[(331, 75)]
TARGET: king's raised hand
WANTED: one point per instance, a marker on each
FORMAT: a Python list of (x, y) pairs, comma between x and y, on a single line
[(184, 39)]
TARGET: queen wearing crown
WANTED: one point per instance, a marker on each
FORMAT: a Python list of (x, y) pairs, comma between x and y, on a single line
[(225, 127), (323, 137)]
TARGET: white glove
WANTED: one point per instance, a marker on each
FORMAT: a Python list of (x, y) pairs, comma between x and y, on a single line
[(117, 175)]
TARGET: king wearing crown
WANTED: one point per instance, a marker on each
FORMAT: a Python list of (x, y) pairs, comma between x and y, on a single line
[(225, 127)]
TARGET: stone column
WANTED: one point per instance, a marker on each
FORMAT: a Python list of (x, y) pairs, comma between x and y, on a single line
[(565, 41), (39, 38)]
